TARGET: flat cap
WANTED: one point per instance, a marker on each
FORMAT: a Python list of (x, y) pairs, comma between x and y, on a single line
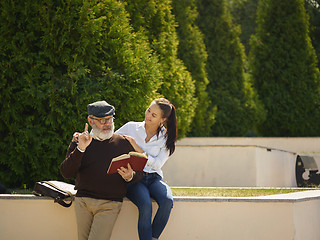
[(100, 109)]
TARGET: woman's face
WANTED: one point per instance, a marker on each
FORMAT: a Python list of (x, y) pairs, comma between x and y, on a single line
[(153, 115)]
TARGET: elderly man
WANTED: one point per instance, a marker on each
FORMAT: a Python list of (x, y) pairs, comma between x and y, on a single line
[(99, 195)]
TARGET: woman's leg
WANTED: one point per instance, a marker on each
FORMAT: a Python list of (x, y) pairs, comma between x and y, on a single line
[(139, 194), (162, 194)]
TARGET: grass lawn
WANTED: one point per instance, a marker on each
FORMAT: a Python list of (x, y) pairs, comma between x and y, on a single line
[(234, 192)]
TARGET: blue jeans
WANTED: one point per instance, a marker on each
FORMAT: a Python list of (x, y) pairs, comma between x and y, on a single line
[(151, 186)]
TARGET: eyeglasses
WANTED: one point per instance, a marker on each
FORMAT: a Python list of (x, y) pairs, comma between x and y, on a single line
[(103, 120)]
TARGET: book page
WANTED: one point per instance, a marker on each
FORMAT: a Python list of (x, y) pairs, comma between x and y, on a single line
[(137, 154), (123, 156)]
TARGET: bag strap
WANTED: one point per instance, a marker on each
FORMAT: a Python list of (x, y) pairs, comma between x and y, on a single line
[(58, 199), (62, 202)]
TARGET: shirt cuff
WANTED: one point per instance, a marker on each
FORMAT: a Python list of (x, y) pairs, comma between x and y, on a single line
[(80, 150), (128, 180)]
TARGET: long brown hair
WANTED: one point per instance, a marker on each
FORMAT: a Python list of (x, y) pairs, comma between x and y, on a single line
[(168, 112)]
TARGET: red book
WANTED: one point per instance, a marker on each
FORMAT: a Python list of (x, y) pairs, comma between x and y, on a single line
[(136, 160)]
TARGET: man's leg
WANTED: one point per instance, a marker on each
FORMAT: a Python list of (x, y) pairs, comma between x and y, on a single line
[(105, 215), (84, 217)]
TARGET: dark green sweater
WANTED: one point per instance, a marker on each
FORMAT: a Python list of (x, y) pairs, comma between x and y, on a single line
[(90, 168)]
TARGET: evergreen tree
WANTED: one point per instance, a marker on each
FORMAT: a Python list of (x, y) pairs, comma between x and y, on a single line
[(155, 19), (244, 14), (229, 90), (55, 58), (284, 68), (313, 9), (193, 53)]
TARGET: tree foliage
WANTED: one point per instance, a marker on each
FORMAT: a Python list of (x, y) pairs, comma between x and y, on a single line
[(284, 68), (229, 90), (313, 9), (155, 19), (244, 15), (55, 58), (192, 51)]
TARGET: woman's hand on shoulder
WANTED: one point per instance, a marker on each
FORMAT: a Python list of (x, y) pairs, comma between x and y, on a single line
[(133, 143), (130, 139)]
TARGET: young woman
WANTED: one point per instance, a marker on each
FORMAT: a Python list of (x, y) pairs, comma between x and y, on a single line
[(156, 137)]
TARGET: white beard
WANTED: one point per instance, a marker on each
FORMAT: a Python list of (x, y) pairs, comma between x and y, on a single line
[(100, 135)]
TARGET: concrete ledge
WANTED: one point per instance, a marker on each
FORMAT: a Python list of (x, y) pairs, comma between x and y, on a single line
[(278, 217)]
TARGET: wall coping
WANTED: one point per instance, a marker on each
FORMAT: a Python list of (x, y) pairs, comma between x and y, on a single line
[(292, 144), (288, 197), (194, 139), (233, 145)]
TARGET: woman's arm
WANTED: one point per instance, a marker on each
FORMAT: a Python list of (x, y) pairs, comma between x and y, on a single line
[(125, 132), (157, 162), (154, 162), (134, 144)]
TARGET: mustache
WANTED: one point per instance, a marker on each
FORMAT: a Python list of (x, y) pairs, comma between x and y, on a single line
[(106, 127)]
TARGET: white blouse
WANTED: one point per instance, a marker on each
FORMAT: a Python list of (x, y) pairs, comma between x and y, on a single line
[(155, 148)]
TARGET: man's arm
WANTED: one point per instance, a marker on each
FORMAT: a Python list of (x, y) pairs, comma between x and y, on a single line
[(70, 166), (137, 177)]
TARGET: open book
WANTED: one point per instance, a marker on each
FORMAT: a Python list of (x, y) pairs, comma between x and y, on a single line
[(136, 160)]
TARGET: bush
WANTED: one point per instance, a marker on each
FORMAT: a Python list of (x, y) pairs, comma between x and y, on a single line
[(56, 57)]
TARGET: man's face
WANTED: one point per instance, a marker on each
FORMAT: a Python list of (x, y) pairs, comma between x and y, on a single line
[(102, 128)]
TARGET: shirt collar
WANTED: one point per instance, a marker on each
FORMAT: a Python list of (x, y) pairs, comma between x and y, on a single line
[(141, 125)]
